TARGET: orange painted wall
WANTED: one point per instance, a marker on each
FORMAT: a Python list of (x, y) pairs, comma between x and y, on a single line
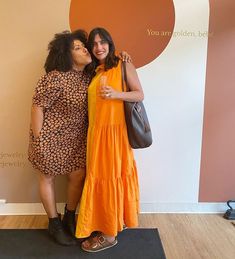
[(134, 29), (217, 181)]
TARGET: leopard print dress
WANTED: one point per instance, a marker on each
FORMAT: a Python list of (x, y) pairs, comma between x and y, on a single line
[(61, 145)]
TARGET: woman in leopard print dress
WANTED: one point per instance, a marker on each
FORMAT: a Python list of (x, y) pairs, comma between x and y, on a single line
[(59, 127)]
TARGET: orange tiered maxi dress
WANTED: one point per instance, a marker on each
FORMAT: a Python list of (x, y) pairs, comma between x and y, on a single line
[(111, 192)]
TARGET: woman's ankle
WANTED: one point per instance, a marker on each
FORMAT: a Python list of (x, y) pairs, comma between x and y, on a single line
[(109, 238)]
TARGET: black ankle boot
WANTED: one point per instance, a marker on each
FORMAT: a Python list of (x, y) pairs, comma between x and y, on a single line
[(68, 221), (56, 230)]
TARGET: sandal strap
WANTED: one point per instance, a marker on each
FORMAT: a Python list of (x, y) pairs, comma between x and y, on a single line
[(100, 242), (101, 239)]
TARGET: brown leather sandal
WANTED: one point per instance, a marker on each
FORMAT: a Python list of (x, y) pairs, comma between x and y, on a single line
[(98, 243)]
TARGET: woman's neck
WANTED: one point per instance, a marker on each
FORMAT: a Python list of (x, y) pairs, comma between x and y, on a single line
[(78, 68), (101, 61)]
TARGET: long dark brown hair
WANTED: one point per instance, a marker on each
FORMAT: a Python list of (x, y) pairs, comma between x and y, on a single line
[(111, 59)]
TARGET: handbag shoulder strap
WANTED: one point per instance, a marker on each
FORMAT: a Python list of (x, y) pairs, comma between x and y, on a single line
[(124, 78)]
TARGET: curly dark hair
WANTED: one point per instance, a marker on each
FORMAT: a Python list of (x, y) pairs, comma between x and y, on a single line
[(111, 59), (59, 57)]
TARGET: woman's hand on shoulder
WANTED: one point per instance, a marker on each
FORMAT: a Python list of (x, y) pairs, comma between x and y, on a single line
[(125, 57)]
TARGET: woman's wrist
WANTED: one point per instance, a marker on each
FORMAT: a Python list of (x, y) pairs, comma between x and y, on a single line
[(36, 133), (119, 95)]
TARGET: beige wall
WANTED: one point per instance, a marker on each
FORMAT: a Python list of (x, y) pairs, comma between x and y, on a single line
[(26, 28)]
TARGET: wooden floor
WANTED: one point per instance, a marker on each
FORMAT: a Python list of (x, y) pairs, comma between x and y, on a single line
[(184, 236)]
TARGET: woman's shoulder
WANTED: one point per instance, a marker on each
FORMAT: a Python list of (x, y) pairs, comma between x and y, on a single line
[(57, 74), (128, 65), (116, 65), (51, 74), (52, 78)]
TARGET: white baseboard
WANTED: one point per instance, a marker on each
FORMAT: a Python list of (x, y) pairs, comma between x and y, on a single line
[(201, 207), (26, 208)]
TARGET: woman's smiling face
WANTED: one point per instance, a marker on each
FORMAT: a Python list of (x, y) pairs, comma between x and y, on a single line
[(100, 48)]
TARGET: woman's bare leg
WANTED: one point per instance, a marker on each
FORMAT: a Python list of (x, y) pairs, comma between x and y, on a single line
[(75, 187), (55, 227), (47, 194)]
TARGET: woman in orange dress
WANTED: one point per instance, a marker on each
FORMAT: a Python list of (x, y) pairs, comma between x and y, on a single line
[(110, 196)]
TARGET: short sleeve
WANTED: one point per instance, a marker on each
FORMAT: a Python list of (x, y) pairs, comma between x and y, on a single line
[(48, 89)]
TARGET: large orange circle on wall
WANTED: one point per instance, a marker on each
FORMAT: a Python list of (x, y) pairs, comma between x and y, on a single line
[(141, 27)]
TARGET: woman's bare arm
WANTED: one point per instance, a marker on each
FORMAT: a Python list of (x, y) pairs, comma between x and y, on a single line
[(36, 119), (134, 95)]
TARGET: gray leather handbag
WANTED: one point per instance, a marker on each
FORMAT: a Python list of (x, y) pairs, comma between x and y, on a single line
[(138, 128)]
